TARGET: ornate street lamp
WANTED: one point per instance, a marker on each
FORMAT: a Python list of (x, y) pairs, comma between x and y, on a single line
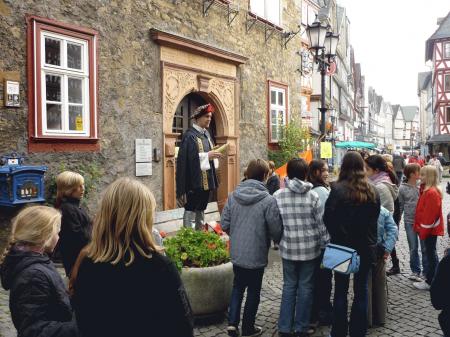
[(322, 43)]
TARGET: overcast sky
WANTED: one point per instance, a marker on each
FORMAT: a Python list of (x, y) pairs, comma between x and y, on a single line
[(389, 40)]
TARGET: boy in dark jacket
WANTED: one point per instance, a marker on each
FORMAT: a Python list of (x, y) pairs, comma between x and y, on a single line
[(75, 224), (252, 218), (440, 294)]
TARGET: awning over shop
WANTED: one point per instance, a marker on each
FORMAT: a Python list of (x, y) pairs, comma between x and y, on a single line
[(355, 145), (439, 139)]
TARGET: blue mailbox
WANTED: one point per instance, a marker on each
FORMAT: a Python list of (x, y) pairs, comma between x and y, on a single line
[(20, 184)]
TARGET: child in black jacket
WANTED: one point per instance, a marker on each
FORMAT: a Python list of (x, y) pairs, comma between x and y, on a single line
[(440, 294), (38, 299), (75, 224)]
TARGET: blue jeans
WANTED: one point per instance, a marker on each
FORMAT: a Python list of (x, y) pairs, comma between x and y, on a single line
[(432, 257), (250, 279), (297, 297), (413, 244), (358, 316)]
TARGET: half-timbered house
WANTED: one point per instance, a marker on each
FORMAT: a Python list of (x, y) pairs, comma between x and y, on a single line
[(438, 52)]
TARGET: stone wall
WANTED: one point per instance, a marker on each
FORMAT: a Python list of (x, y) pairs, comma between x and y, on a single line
[(129, 101)]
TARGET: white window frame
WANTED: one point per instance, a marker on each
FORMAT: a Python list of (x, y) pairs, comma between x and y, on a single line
[(266, 13), (280, 110), (444, 49), (65, 72), (446, 89)]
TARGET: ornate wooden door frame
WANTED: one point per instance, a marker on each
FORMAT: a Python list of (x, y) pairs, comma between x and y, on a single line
[(189, 66)]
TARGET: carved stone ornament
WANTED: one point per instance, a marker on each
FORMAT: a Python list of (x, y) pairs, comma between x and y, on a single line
[(224, 91), (203, 82), (177, 84)]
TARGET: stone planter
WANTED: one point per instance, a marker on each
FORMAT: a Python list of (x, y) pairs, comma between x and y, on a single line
[(208, 289)]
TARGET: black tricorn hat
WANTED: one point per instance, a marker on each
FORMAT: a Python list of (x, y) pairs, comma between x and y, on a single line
[(202, 110)]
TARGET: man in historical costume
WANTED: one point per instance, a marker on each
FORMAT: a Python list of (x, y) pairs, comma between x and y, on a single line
[(197, 163)]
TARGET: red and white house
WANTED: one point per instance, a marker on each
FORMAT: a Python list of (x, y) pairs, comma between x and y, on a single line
[(438, 52)]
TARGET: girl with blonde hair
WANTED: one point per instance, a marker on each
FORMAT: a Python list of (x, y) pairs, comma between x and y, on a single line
[(75, 224), (121, 285), (38, 298), (428, 221)]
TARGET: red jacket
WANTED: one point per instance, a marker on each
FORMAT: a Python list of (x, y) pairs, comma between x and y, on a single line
[(428, 220)]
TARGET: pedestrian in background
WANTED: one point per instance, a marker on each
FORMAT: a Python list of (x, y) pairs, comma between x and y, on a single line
[(429, 222), (273, 185), (440, 294), (352, 199), (322, 309), (121, 285), (38, 298), (437, 164), (378, 295), (408, 196), (304, 237), (76, 225), (252, 219), (385, 182), (399, 165)]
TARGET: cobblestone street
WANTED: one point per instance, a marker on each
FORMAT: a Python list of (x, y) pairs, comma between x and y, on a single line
[(410, 310)]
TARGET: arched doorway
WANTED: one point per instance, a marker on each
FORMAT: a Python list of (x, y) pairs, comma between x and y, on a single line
[(183, 90)]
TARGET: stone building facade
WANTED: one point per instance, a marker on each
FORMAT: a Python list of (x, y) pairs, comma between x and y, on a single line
[(95, 76)]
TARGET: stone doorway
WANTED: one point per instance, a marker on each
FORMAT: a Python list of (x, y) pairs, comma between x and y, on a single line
[(191, 67)]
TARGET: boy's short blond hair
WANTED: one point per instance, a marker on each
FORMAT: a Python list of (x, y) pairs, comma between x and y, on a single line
[(66, 183)]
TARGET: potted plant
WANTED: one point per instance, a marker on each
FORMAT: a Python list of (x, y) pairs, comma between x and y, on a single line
[(203, 259)]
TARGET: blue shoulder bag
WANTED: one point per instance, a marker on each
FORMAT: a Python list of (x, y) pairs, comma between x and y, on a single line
[(341, 259)]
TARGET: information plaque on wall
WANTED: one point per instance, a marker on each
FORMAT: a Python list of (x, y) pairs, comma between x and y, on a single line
[(143, 157), (12, 96)]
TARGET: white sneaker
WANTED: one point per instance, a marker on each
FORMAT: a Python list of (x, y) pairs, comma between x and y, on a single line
[(415, 277), (421, 285)]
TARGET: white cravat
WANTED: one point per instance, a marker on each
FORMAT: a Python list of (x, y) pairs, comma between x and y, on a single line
[(203, 156)]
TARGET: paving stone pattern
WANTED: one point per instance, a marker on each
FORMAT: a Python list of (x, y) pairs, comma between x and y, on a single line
[(410, 310)]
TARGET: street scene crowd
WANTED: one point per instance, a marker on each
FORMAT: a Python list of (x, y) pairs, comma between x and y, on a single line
[(122, 284)]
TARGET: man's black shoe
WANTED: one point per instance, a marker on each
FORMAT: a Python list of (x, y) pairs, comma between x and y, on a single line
[(393, 271), (256, 331)]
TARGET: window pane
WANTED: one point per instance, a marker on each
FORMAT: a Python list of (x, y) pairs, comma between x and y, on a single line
[(54, 121), (447, 83), (75, 118), (53, 88), (273, 11), (257, 7), (447, 50), (75, 90), (274, 132), (52, 51), (281, 99), (273, 114), (73, 56), (281, 117), (448, 115), (273, 97)]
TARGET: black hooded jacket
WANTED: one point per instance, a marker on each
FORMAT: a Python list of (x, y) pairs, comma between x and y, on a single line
[(38, 299), (350, 224), (75, 232)]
